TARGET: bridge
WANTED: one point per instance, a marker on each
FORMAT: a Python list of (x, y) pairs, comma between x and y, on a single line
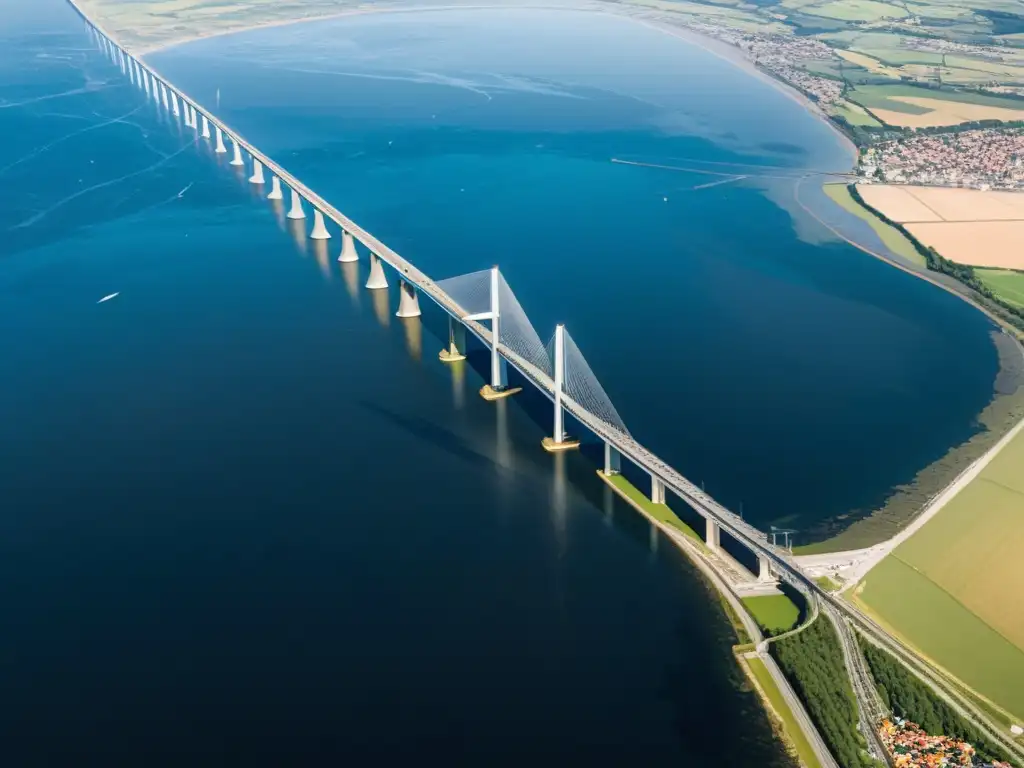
[(481, 303)]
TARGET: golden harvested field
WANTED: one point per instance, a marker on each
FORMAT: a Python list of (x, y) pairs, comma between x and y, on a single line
[(944, 113), (969, 226), (981, 244)]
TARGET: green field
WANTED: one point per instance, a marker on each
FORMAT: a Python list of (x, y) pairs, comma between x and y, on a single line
[(775, 614), (855, 115), (778, 703), (893, 239), (954, 589), (826, 583), (855, 10), (880, 96), (1004, 283)]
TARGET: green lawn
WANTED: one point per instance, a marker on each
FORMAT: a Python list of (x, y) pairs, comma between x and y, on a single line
[(659, 512), (793, 731), (826, 583), (854, 114), (893, 239), (775, 614), (947, 633), (1004, 283)]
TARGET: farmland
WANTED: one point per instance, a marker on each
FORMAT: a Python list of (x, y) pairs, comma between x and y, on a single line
[(953, 589)]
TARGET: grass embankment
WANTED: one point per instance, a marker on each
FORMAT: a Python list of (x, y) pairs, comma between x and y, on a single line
[(827, 583), (891, 237), (782, 711), (775, 614), (953, 589), (659, 512), (812, 661), (908, 697)]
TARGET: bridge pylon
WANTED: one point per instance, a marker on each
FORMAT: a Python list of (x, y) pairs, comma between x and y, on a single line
[(498, 387), (319, 228), (348, 249), (408, 301), (558, 441), (237, 158), (257, 173), (275, 187), (377, 279), (221, 149), (296, 212)]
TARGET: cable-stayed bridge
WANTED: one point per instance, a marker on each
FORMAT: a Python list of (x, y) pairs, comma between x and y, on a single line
[(481, 303)]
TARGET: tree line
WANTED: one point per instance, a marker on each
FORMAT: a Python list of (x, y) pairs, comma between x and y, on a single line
[(812, 661), (909, 698)]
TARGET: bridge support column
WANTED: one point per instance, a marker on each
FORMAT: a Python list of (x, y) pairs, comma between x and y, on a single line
[(657, 490), (206, 128), (558, 441), (221, 149), (275, 189), (257, 172), (237, 158), (296, 211), (612, 460), (163, 96), (348, 249), (174, 105), (377, 278), (456, 342), (764, 570), (319, 228), (713, 534), (498, 388), (145, 83), (408, 302)]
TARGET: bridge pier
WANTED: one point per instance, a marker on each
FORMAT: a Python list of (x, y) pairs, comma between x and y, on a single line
[(237, 158), (296, 211), (163, 96), (257, 172), (657, 490), (275, 189), (206, 128), (348, 249), (221, 149), (456, 342), (408, 302), (764, 570), (377, 279), (558, 441), (612, 460), (174, 105), (145, 83), (713, 534), (319, 228)]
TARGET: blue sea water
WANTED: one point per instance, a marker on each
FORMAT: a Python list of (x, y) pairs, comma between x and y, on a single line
[(736, 336), (248, 517)]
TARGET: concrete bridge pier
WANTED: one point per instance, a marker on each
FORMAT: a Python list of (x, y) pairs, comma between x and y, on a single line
[(764, 570), (163, 96), (206, 128), (657, 490), (377, 279), (612, 460), (558, 442), (174, 105), (408, 302), (275, 188), (713, 534), (237, 158), (296, 212), (349, 253), (456, 342), (319, 228), (221, 149), (257, 172), (145, 83)]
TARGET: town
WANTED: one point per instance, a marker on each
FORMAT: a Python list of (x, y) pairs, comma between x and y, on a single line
[(911, 747), (980, 159)]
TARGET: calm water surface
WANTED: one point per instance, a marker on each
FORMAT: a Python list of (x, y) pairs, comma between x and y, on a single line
[(246, 517), (787, 371)]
